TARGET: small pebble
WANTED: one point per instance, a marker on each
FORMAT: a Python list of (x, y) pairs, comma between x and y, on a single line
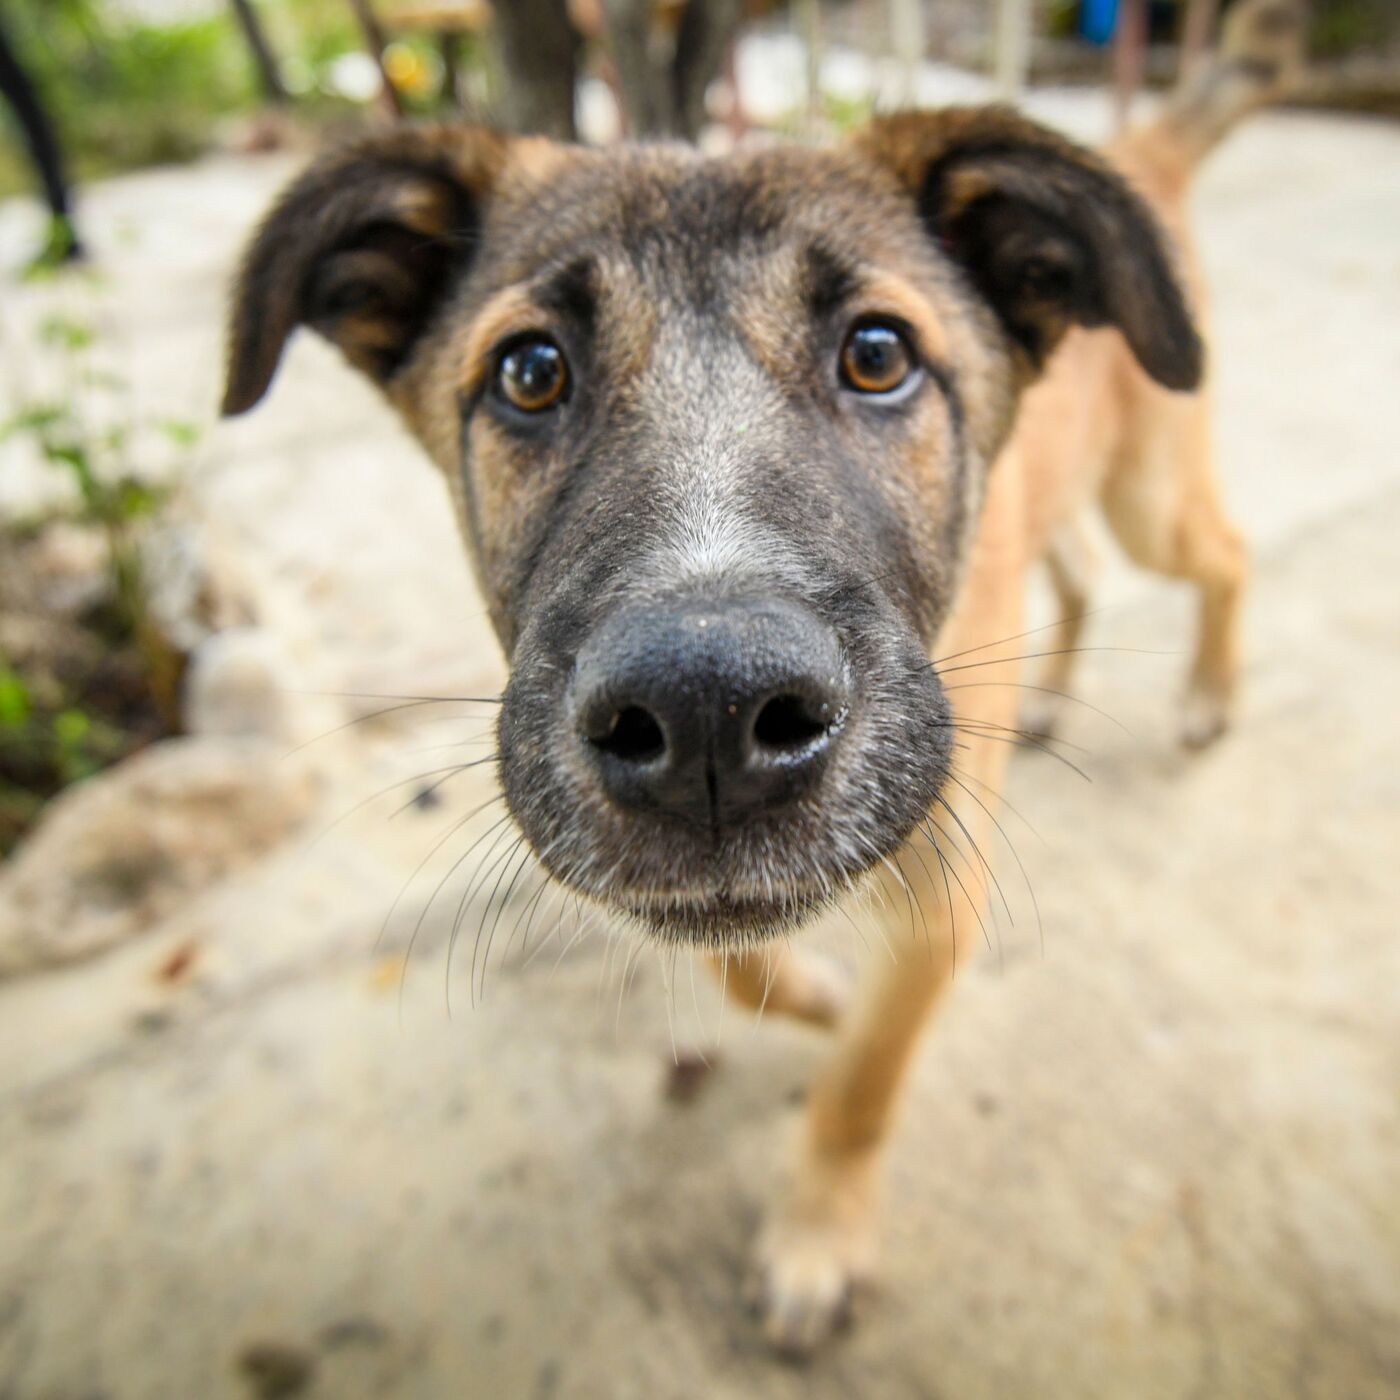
[(276, 1370)]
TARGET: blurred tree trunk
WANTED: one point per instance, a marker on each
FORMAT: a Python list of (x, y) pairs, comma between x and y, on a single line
[(263, 61), (375, 44), (706, 31), (647, 100), (540, 52), (664, 86)]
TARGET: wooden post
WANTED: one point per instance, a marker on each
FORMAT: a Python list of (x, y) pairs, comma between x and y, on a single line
[(540, 51), (907, 41), (1195, 35), (449, 50), (809, 20), (1129, 52), (271, 80), (1013, 48), (375, 46)]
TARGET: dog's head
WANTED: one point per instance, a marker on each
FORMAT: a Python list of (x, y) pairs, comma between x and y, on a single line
[(717, 432)]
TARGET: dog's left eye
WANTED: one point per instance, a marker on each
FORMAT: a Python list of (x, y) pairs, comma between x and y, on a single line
[(876, 358), (532, 374)]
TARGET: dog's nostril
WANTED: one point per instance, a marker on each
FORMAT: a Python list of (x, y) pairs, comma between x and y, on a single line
[(634, 736), (788, 723)]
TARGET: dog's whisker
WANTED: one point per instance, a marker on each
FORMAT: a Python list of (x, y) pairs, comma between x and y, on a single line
[(374, 797), (415, 699), (456, 744), (423, 913), (1064, 621), (893, 868), (475, 881), (967, 777), (846, 914), (986, 864), (915, 900), (1026, 741), (1034, 655), (974, 872), (432, 851), (911, 845), (1043, 690), (1015, 855), (694, 995), (442, 884), (987, 726), (560, 895), (723, 990), (668, 985), (951, 869), (527, 907), (629, 969), (770, 972), (524, 850), (419, 798), (373, 714)]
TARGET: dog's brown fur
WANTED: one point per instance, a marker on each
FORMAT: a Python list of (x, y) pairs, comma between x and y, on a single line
[(994, 242)]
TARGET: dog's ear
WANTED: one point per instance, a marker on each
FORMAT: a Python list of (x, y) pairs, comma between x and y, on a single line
[(1049, 234), (361, 248)]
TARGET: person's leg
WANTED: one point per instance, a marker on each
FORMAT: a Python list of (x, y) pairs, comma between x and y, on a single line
[(20, 93)]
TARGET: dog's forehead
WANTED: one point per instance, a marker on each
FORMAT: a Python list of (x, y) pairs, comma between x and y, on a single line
[(685, 223)]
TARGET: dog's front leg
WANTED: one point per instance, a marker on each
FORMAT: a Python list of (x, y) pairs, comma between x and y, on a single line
[(785, 981), (822, 1238)]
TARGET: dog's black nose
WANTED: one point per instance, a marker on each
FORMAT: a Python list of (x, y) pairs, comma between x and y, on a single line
[(711, 711)]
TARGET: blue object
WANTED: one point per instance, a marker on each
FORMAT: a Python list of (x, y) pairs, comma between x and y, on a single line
[(1098, 19)]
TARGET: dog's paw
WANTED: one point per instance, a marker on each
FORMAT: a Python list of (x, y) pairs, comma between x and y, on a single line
[(1205, 717), (818, 988), (804, 1277)]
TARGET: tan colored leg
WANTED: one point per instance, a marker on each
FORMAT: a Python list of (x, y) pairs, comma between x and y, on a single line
[(1164, 507), (785, 981), (1073, 565), (821, 1240)]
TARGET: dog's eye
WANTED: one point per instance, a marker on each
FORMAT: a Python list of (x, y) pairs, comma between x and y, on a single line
[(532, 374), (876, 358)]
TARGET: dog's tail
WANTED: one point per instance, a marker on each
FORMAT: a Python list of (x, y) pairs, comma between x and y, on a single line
[(1260, 59)]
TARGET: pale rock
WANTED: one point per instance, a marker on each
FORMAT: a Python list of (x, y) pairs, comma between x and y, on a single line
[(115, 855)]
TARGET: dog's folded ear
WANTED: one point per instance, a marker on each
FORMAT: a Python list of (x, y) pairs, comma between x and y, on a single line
[(361, 248), (1048, 233)]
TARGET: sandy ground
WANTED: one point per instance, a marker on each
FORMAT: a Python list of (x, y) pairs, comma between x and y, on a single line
[(1153, 1146)]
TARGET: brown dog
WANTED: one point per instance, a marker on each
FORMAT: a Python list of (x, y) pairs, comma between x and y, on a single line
[(731, 445)]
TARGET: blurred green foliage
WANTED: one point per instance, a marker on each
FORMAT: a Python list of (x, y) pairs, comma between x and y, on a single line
[(1342, 27), (59, 725), (123, 91), (126, 90)]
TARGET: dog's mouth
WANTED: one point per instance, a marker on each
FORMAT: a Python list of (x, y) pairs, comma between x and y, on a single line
[(722, 919), (772, 759)]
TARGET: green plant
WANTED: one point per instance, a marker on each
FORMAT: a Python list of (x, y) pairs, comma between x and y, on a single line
[(123, 91), (84, 690), (110, 494)]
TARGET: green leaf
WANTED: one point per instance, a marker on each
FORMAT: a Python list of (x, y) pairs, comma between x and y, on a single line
[(181, 432), (132, 499), (64, 333), (36, 418), (15, 704), (71, 728)]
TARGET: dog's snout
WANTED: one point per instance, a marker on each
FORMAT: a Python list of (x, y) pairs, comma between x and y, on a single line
[(711, 711)]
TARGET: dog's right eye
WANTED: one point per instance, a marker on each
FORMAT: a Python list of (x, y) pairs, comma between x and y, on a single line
[(532, 374)]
